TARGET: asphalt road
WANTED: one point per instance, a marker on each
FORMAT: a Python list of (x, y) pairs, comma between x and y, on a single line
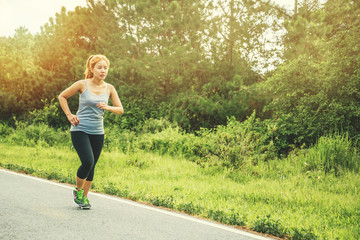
[(34, 208)]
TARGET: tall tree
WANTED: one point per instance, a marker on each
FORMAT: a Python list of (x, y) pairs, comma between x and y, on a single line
[(163, 43), (317, 88), (240, 31), (305, 29), (19, 87)]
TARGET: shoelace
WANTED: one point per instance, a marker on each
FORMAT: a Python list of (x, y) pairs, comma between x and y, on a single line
[(79, 194), (86, 200)]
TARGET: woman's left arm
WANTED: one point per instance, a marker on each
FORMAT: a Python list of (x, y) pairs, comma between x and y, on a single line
[(117, 107)]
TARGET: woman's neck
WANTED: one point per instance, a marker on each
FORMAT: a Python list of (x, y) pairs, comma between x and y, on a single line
[(97, 82)]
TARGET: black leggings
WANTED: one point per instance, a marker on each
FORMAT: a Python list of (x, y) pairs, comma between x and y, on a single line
[(88, 147)]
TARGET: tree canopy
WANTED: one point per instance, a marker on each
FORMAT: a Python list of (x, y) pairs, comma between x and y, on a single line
[(198, 63)]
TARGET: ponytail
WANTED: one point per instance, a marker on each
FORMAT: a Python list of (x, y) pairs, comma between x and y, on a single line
[(88, 72), (90, 64)]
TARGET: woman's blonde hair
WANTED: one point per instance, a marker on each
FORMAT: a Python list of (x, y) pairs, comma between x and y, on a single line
[(90, 64)]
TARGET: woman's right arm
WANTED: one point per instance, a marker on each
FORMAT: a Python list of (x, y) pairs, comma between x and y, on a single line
[(63, 97)]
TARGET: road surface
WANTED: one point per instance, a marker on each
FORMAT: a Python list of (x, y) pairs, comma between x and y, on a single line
[(35, 208)]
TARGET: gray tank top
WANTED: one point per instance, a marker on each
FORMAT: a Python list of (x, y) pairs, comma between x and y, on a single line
[(90, 116)]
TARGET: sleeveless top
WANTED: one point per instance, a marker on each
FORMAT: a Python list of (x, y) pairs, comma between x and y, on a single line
[(90, 116)]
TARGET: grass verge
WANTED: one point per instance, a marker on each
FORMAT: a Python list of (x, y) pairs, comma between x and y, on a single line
[(273, 197)]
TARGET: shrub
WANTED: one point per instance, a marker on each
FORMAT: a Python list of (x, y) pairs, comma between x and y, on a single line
[(42, 135), (119, 139), (239, 143), (5, 130), (50, 115), (152, 125), (232, 146), (169, 141)]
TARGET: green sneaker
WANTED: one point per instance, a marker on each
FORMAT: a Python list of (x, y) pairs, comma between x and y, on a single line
[(86, 203), (78, 196)]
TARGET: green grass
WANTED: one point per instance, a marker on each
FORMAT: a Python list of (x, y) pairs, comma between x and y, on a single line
[(274, 197)]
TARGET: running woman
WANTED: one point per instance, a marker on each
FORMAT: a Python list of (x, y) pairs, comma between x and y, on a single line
[(87, 126)]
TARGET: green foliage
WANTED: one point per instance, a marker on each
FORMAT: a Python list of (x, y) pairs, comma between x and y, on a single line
[(239, 144), (325, 208), (42, 135), (332, 154), (270, 226), (112, 189), (119, 139), (159, 52), (190, 208), (136, 160), (51, 115), (166, 201), (217, 100), (155, 125), (5, 130), (136, 113), (20, 79), (195, 64), (171, 141), (227, 218), (232, 146), (303, 234), (316, 90)]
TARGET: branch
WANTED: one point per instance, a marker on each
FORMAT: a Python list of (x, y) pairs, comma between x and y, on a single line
[(282, 11), (222, 8)]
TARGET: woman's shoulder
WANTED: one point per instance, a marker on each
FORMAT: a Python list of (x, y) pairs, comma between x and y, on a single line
[(81, 81), (111, 88), (109, 85), (80, 84)]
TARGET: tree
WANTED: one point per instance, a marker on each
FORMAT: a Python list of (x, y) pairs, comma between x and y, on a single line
[(162, 47), (19, 87), (239, 31), (316, 90)]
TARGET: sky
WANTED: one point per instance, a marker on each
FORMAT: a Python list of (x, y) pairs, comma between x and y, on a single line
[(32, 14)]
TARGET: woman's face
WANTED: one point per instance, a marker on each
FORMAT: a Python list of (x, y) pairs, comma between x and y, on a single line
[(100, 70)]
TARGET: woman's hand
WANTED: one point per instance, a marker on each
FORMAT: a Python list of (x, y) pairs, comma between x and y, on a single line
[(103, 106), (73, 119)]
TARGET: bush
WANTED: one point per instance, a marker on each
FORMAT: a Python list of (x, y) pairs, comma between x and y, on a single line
[(169, 141), (119, 139), (238, 144), (5, 130), (152, 125), (43, 135), (232, 146), (50, 115)]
